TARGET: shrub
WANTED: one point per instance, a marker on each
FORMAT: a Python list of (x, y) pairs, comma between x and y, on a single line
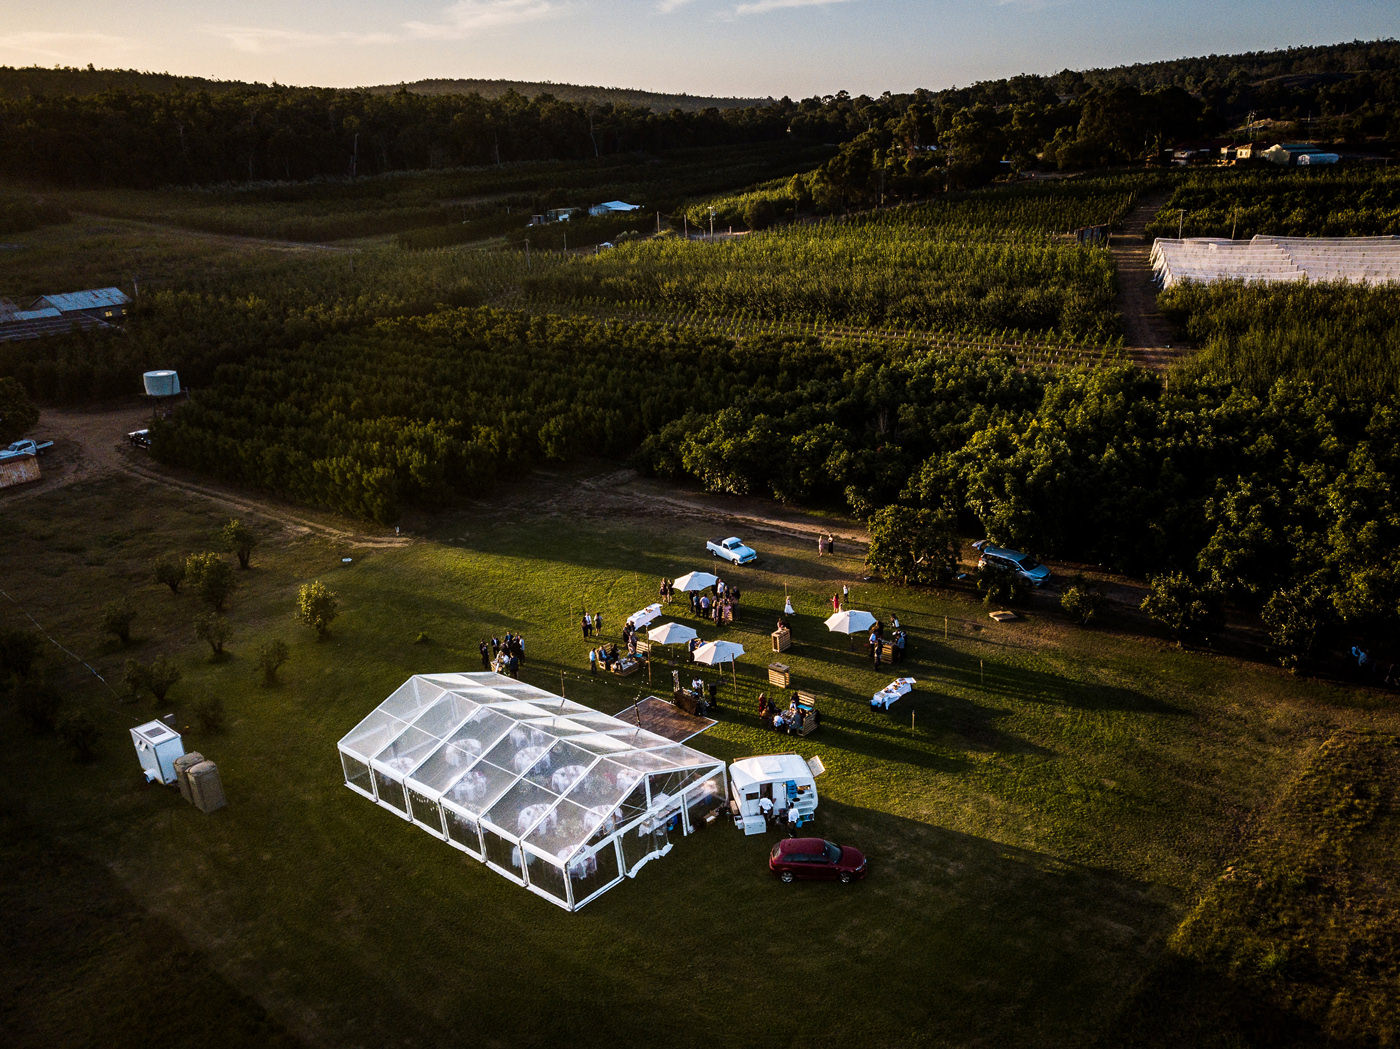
[(212, 628), (18, 414), (79, 729), (209, 712), (212, 578), (1182, 605), (1082, 602), (239, 540), (271, 656), (38, 704), (317, 607), (19, 651), (1001, 587), (116, 619), (170, 570), (156, 677)]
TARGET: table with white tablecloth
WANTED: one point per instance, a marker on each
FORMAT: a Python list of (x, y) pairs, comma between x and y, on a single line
[(888, 695)]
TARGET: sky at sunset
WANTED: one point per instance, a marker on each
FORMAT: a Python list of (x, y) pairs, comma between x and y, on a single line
[(705, 47)]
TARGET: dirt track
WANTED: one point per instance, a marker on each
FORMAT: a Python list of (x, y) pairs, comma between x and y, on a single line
[(89, 445)]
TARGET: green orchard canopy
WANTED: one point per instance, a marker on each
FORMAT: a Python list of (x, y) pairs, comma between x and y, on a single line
[(551, 794)]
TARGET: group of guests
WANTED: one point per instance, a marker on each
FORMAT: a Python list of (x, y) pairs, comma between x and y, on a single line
[(503, 656), (593, 624), (792, 721), (826, 544), (723, 607), (877, 642), (606, 655)]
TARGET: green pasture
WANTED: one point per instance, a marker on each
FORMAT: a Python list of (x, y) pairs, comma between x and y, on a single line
[(1040, 814)]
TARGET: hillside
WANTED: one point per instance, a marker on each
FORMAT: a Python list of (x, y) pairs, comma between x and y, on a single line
[(656, 101)]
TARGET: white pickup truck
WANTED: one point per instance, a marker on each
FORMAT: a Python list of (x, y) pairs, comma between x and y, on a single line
[(25, 447), (732, 550)]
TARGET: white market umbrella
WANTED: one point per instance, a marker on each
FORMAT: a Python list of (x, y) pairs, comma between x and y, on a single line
[(715, 652), (851, 621), (671, 634), (696, 581), (644, 616)]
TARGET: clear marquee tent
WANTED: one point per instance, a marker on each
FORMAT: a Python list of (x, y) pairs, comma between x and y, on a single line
[(1362, 260), (555, 796)]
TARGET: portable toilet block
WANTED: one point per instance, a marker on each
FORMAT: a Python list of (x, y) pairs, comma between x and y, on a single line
[(206, 788), (157, 745), (183, 764)]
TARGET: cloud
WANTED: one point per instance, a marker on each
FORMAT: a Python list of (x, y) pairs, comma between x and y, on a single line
[(459, 21), (668, 6), (258, 41), (63, 47), (759, 7), (467, 18)]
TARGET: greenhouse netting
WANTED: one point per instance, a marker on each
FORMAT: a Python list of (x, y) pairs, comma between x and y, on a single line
[(555, 796)]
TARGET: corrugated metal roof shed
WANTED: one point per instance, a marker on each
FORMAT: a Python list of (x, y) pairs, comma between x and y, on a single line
[(94, 299)]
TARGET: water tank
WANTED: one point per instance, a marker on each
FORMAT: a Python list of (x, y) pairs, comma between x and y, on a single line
[(161, 383)]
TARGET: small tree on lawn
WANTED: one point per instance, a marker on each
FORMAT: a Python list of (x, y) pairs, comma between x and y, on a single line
[(157, 677), (1182, 605), (1082, 601), (271, 656), (170, 570), (317, 606), (239, 540), (1000, 586), (39, 704), (19, 651), (212, 628), (116, 619), (212, 578), (79, 729)]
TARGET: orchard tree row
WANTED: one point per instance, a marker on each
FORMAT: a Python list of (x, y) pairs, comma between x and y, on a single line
[(1282, 496)]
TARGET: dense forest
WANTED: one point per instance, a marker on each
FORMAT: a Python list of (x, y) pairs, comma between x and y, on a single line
[(97, 127)]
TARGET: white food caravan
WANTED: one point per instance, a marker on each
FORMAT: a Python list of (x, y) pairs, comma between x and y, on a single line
[(785, 779), (157, 747)]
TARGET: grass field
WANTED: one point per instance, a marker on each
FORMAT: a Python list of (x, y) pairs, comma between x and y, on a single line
[(1040, 815)]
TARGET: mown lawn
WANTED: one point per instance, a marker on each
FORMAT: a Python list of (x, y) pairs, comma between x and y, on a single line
[(1040, 814)]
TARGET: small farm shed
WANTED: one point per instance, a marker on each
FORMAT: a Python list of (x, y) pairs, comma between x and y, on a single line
[(555, 796), (107, 304), (612, 206)]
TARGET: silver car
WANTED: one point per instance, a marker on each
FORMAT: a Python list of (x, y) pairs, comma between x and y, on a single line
[(1023, 565)]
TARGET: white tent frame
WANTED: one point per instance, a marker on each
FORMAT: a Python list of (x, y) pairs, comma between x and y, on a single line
[(505, 772)]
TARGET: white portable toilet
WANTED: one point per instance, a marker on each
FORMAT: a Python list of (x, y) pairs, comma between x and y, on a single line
[(157, 745), (785, 779)]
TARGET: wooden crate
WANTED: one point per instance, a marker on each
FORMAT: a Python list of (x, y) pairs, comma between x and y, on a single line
[(779, 675), (782, 640)]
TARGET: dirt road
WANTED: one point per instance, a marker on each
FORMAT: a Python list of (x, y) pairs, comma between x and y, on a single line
[(1145, 331)]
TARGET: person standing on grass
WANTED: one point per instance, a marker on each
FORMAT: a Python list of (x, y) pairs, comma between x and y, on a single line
[(485, 655), (835, 603), (598, 624), (587, 625)]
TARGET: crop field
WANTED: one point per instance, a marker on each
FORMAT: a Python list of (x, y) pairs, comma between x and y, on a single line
[(479, 202), (1042, 814), (1342, 202)]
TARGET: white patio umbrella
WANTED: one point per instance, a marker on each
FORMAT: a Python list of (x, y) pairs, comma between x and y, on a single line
[(696, 581), (671, 634), (644, 616), (715, 652), (851, 621)]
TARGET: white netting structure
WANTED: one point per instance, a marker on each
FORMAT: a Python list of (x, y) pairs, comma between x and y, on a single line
[(1360, 260), (552, 794)]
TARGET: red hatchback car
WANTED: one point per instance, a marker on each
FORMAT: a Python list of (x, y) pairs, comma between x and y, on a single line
[(794, 858)]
